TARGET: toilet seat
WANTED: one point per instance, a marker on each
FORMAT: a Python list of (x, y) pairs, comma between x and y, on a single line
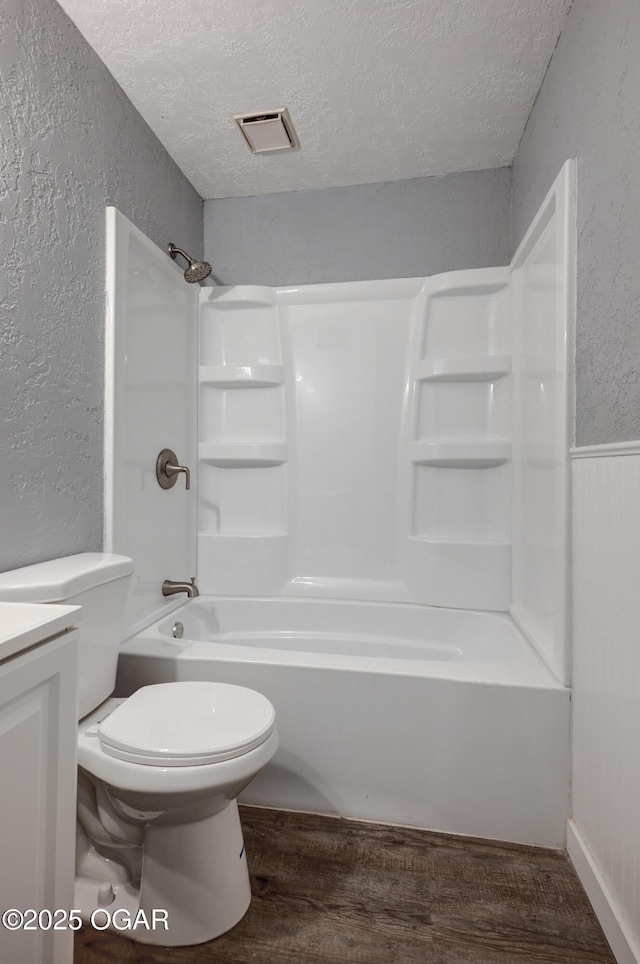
[(187, 724)]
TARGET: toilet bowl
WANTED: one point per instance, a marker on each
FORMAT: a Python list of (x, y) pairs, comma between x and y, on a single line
[(159, 838)]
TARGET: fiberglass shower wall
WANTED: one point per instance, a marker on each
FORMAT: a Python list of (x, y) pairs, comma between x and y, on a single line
[(355, 440), (402, 440)]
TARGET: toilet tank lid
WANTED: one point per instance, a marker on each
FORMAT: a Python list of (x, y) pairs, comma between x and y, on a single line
[(60, 579)]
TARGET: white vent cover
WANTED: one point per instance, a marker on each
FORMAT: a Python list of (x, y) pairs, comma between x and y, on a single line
[(268, 131)]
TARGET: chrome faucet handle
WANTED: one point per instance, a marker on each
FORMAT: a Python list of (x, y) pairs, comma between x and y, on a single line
[(168, 470)]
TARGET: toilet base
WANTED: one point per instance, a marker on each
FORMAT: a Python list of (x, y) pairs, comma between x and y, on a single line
[(195, 872)]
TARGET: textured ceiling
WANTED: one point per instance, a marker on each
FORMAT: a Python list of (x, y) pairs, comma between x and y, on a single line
[(378, 90)]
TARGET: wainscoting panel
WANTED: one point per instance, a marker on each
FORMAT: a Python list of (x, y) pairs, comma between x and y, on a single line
[(606, 675)]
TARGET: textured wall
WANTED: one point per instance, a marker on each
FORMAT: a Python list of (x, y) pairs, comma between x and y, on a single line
[(398, 229), (588, 108), (70, 143)]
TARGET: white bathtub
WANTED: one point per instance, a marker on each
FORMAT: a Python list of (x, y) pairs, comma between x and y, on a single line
[(434, 718)]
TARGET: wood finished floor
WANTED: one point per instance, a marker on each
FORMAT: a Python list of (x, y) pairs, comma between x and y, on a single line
[(329, 891)]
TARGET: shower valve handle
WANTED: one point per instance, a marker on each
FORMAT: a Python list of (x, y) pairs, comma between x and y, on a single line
[(168, 470), (174, 470)]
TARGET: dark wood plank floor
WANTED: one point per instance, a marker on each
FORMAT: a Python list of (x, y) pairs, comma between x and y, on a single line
[(328, 891)]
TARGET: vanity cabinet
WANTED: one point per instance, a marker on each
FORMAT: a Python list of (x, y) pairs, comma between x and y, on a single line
[(38, 724)]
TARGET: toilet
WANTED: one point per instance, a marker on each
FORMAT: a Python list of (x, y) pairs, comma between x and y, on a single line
[(158, 835)]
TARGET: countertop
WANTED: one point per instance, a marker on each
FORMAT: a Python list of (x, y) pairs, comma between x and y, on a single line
[(24, 624)]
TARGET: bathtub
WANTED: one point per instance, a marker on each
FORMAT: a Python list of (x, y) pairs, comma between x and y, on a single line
[(441, 719)]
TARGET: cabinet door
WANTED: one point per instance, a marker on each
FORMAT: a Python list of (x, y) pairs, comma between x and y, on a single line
[(38, 723)]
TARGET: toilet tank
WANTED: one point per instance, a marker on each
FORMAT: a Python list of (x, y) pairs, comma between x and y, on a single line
[(97, 581)]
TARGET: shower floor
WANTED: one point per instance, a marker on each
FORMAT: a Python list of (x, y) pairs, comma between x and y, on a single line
[(332, 891)]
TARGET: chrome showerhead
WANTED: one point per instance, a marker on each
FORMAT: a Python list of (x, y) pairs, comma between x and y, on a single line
[(197, 270)]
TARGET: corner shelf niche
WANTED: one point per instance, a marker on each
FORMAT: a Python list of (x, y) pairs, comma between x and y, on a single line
[(242, 451), (458, 548)]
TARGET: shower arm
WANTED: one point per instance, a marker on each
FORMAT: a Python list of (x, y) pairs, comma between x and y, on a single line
[(174, 251)]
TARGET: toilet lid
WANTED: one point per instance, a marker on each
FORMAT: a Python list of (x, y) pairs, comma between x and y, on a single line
[(187, 724)]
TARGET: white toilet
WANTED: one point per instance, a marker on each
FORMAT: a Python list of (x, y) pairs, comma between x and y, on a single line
[(158, 824)]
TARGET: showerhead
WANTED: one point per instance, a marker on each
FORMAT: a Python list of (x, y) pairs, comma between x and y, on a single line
[(197, 270)]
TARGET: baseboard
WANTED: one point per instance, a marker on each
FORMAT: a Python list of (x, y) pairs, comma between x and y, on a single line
[(625, 948)]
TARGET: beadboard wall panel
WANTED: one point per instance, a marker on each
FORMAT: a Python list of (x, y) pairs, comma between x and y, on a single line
[(606, 674)]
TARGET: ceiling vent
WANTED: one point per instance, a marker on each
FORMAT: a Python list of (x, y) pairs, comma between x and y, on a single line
[(269, 131)]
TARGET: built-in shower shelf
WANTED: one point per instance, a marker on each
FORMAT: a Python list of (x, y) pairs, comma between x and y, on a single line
[(243, 455), (462, 455), (455, 544), (474, 571), (244, 538), (241, 376), (483, 369), (251, 563)]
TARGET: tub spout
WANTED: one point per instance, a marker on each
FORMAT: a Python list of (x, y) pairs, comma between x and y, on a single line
[(169, 588)]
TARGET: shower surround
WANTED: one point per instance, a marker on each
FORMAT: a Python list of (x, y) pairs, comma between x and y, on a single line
[(355, 441), (380, 523)]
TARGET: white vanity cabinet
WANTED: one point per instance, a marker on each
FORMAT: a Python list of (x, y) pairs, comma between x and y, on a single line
[(38, 724)]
